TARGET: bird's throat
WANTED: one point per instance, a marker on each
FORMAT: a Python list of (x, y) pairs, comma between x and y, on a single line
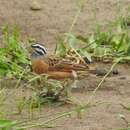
[(36, 55)]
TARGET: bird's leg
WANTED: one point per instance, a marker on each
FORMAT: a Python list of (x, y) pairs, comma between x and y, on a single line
[(74, 84), (70, 97), (71, 83)]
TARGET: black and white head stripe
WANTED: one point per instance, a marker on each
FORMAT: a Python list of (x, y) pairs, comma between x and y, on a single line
[(39, 48)]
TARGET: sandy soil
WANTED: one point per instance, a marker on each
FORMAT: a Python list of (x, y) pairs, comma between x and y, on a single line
[(56, 17), (44, 25)]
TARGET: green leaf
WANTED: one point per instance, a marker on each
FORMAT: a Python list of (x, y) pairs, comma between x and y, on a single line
[(60, 48), (99, 52), (15, 33), (6, 123), (82, 38), (123, 43), (128, 49), (92, 43), (72, 40), (84, 53), (5, 32)]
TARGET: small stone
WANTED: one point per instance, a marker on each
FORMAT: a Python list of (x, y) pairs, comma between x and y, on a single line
[(115, 72), (123, 77), (100, 71), (35, 6)]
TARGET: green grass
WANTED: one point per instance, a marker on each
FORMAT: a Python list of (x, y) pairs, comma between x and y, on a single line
[(114, 43), (7, 124), (13, 56)]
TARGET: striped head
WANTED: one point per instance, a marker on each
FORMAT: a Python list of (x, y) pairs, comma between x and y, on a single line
[(39, 50)]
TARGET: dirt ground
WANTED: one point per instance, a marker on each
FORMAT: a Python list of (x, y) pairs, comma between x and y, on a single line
[(55, 17)]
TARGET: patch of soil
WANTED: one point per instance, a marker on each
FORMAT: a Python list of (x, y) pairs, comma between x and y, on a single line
[(56, 17)]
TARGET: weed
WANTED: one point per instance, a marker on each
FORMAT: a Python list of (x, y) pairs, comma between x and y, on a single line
[(13, 56), (111, 44), (7, 124), (2, 103), (47, 90)]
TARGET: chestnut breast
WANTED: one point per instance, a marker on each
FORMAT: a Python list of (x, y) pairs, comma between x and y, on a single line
[(39, 66)]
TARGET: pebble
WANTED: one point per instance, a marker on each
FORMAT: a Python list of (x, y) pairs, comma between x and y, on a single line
[(123, 77), (100, 72), (35, 6), (115, 71)]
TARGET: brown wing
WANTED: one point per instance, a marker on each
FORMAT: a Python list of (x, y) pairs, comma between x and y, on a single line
[(46, 64), (65, 65)]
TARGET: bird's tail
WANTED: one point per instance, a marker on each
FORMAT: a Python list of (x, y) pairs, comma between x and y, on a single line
[(59, 75)]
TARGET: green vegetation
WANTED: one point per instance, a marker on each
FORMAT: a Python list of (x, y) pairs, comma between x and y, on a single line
[(13, 56), (7, 124), (112, 44)]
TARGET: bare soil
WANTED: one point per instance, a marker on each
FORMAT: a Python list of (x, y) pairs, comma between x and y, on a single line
[(55, 17)]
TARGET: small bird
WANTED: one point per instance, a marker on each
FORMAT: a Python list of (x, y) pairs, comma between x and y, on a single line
[(55, 67)]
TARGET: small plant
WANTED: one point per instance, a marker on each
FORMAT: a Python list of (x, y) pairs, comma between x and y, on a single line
[(13, 56), (7, 124), (2, 103), (111, 44), (47, 91)]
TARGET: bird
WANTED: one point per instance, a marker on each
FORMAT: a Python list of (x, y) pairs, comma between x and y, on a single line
[(55, 67)]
